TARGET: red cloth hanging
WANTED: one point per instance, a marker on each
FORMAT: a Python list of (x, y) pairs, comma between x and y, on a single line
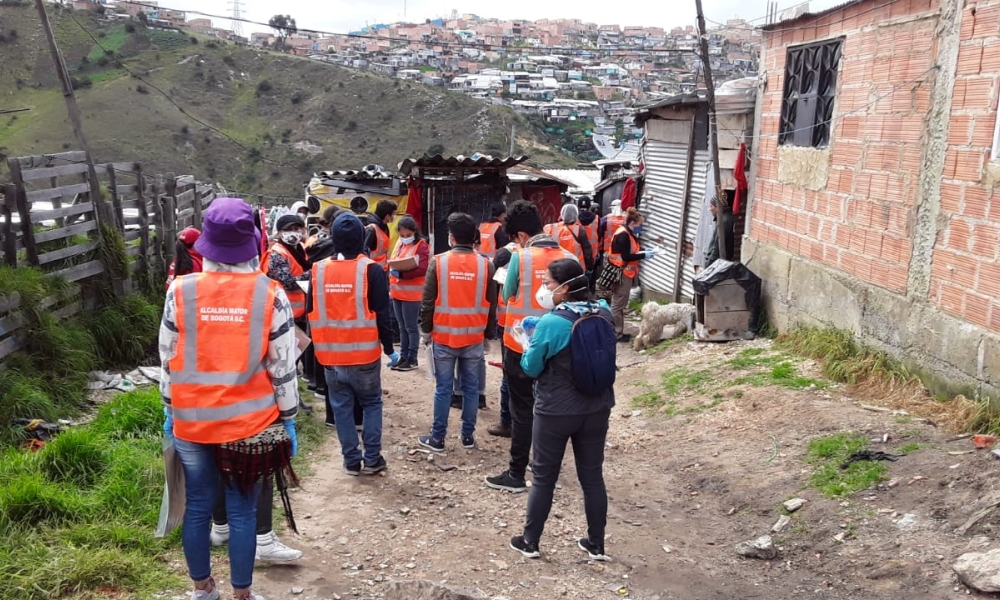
[(628, 194), (739, 174), (415, 201)]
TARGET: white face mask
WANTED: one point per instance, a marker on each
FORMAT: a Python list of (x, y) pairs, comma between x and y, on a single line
[(291, 237), (406, 241), (545, 297)]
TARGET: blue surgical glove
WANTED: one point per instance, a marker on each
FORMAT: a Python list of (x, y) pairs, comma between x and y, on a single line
[(168, 422), (394, 273), (529, 323), (393, 359), (649, 253), (292, 435)]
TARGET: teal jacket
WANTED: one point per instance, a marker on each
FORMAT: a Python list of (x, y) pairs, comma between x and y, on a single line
[(552, 336)]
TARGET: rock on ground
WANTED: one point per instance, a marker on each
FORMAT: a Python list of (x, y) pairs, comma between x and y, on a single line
[(420, 589), (979, 570), (762, 547)]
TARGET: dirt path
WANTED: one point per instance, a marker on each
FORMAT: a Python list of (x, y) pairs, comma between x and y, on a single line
[(697, 475)]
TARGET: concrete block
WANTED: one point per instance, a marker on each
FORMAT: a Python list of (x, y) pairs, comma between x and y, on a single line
[(885, 316)]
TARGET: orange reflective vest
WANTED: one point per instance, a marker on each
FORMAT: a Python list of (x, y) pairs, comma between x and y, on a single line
[(591, 231), (612, 225), (488, 239), (533, 264), (381, 252), (220, 390), (296, 297), (501, 304), (344, 330), (406, 290), (462, 309), (630, 269), (567, 236)]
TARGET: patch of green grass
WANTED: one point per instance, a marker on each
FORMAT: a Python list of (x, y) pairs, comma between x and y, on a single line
[(755, 357), (680, 379), (907, 448), (125, 331), (663, 345), (826, 454), (647, 399), (783, 374), (79, 515), (113, 40), (843, 359)]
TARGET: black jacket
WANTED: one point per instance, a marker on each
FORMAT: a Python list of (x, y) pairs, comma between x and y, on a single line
[(370, 241), (712, 253), (621, 244)]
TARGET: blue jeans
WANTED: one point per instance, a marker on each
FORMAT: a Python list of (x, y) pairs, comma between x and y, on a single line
[(407, 315), (362, 383), (505, 418), (468, 360), (201, 481), (457, 387)]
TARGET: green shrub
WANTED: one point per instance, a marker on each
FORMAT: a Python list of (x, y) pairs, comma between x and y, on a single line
[(78, 456), (138, 414), (132, 488)]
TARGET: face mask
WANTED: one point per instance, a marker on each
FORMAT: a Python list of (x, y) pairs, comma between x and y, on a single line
[(637, 229), (291, 237), (406, 241), (546, 297)]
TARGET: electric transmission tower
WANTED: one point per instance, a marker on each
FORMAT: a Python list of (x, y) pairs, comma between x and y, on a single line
[(237, 26)]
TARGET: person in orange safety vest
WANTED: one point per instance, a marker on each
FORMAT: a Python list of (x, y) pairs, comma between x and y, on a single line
[(230, 391), (457, 315)]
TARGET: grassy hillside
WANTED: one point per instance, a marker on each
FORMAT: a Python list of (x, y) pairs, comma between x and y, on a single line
[(292, 116)]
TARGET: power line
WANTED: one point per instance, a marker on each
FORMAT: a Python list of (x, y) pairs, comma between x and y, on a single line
[(181, 108)]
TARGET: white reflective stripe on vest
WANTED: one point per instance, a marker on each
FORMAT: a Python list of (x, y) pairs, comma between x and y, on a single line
[(478, 308), (526, 276), (408, 287), (359, 304), (190, 373), (223, 413)]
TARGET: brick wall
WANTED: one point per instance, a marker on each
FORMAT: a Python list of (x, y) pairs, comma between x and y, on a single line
[(965, 271), (860, 223)]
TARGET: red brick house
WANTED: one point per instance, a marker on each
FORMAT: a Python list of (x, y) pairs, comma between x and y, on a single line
[(874, 206)]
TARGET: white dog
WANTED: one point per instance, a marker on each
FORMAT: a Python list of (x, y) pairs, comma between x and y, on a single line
[(657, 317)]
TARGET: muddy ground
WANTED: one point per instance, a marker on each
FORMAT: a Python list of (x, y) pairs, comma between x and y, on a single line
[(694, 478)]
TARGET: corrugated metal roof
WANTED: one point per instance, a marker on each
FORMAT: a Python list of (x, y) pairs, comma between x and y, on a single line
[(582, 180), (781, 23), (531, 173), (482, 161)]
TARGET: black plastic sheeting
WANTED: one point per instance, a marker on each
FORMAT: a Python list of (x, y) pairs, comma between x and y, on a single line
[(724, 270)]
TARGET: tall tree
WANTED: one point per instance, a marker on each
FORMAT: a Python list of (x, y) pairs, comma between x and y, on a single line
[(283, 26)]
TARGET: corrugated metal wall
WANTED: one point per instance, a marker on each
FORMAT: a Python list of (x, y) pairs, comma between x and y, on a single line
[(696, 197), (663, 205)]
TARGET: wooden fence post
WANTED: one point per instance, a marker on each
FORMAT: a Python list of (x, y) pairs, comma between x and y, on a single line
[(9, 238), (158, 222), (24, 212), (170, 219), (116, 200), (140, 186)]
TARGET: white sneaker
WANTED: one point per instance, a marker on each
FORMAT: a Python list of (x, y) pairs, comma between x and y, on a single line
[(269, 549), (219, 535), (212, 594)]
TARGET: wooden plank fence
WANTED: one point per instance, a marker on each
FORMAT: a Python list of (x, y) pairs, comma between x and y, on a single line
[(48, 220)]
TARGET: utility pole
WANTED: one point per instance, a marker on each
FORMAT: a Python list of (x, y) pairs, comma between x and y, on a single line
[(713, 133), (74, 115), (511, 153)]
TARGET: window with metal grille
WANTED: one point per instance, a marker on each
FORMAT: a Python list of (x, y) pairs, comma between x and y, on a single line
[(810, 88)]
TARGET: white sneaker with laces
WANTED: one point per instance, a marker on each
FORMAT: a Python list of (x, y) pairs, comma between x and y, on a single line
[(219, 535), (269, 549)]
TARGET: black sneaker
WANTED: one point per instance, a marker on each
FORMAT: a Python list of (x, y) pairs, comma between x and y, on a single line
[(330, 425), (527, 549), (456, 401), (623, 338), (468, 442), (594, 551), (506, 481), (353, 470), (306, 408), (378, 466), (430, 443), (406, 365), (482, 401)]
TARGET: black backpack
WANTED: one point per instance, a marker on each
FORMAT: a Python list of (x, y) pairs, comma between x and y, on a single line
[(594, 347)]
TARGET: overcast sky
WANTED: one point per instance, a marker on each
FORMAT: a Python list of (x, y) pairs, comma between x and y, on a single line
[(342, 16)]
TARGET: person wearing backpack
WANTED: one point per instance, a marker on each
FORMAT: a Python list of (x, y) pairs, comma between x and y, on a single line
[(572, 354)]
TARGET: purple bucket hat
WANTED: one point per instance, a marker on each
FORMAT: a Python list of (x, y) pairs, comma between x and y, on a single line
[(228, 233)]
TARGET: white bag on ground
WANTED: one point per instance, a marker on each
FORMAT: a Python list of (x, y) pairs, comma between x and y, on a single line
[(172, 505)]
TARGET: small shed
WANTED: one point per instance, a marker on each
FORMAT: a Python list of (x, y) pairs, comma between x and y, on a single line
[(440, 186), (544, 190), (678, 178)]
